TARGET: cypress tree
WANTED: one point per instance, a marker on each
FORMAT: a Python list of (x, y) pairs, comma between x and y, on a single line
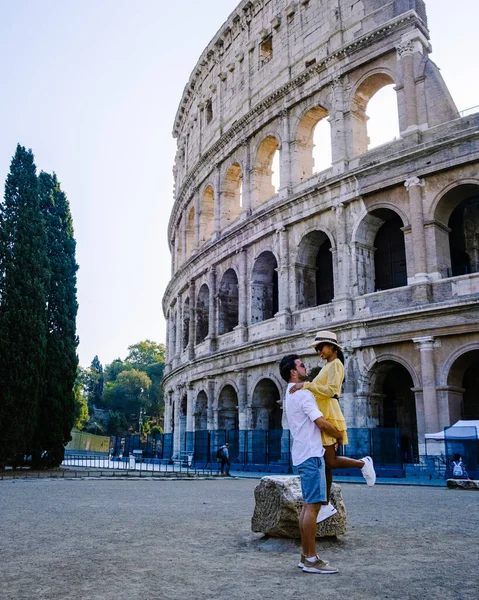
[(23, 324), (56, 411)]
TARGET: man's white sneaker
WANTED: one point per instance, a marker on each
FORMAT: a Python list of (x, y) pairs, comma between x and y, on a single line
[(326, 511), (318, 566), (368, 471)]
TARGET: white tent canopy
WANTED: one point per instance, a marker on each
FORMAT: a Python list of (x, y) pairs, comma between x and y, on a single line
[(460, 430)]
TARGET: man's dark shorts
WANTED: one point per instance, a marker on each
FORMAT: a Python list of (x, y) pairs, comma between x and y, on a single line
[(313, 480)]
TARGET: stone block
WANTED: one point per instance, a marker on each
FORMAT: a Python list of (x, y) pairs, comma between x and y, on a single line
[(278, 503), (463, 484)]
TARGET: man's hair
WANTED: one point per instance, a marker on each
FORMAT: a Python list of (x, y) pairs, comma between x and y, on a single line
[(286, 365)]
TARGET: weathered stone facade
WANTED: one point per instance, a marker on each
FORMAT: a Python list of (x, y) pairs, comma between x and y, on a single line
[(382, 247)]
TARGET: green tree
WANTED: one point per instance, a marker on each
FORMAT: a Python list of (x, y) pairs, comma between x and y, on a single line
[(117, 424), (115, 368), (57, 407), (81, 416), (94, 382), (23, 318), (144, 354), (148, 356), (128, 393)]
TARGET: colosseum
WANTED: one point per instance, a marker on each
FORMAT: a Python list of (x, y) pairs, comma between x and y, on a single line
[(270, 243)]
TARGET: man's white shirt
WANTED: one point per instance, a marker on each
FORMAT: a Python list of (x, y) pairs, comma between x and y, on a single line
[(302, 411)]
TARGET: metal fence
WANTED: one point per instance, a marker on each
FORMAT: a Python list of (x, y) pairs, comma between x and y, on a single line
[(255, 450)]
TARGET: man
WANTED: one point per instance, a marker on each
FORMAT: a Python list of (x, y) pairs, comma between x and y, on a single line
[(224, 456), (306, 422)]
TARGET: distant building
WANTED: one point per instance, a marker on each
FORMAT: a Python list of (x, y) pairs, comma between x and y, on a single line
[(382, 247)]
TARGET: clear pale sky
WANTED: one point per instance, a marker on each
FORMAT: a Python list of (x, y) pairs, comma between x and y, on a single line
[(92, 86)]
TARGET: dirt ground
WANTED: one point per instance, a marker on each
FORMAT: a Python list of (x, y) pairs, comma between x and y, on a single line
[(174, 540)]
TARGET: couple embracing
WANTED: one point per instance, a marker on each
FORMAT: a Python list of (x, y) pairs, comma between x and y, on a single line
[(318, 426)]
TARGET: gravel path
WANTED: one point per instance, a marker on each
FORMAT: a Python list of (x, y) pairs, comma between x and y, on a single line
[(174, 540)]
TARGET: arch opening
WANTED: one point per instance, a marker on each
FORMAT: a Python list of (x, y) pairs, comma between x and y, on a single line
[(393, 406), (228, 300), (202, 314), (264, 288), (463, 383), (228, 409), (265, 411), (382, 109), (232, 196), (383, 118), (266, 162), (312, 146), (314, 271), (207, 215), (201, 412)]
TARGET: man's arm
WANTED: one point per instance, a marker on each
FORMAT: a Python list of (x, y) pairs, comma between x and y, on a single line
[(328, 428)]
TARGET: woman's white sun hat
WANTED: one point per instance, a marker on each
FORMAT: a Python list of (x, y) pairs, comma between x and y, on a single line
[(326, 337)]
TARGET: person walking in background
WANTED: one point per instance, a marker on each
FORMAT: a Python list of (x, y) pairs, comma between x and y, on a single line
[(326, 387), (224, 458), (458, 468), (306, 423)]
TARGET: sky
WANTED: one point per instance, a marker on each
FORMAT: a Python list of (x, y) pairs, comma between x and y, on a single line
[(92, 87)]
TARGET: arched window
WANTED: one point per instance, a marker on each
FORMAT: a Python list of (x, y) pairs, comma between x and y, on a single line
[(463, 387), (228, 408), (231, 199), (312, 146), (228, 302), (202, 313), (382, 111), (265, 410), (201, 413), (393, 407), (380, 252), (264, 288), (207, 215), (464, 236), (314, 270), (383, 118), (390, 256), (263, 185)]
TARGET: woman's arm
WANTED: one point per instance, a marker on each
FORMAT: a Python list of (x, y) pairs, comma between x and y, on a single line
[(333, 383)]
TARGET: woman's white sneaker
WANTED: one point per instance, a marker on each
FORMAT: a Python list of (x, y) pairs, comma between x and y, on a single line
[(326, 511), (368, 471)]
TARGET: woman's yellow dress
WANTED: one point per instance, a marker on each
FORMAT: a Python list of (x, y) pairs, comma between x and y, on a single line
[(324, 386)]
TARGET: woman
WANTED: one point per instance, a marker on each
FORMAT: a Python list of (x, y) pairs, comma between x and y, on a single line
[(326, 388)]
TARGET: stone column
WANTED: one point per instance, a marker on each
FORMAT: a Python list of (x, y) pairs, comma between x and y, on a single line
[(242, 398), (190, 409), (217, 202), (192, 324), (342, 280), (246, 174), (210, 391), (168, 409), (179, 329), (337, 119), (285, 184), (413, 186), (428, 375), (197, 205), (212, 308), (176, 422), (420, 419), (243, 300), (412, 45), (284, 302)]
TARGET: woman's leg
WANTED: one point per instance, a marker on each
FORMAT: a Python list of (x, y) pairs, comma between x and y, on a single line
[(339, 462)]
